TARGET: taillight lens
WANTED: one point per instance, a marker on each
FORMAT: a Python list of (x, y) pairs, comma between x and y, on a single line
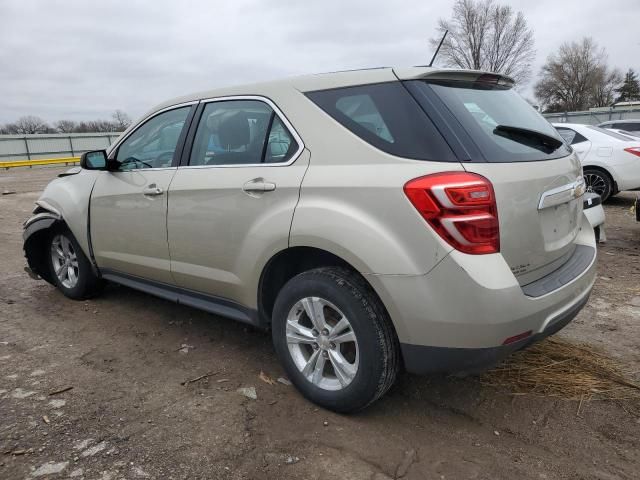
[(633, 151), (461, 208)]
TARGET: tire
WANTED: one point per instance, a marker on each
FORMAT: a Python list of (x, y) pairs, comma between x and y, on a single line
[(599, 182), (62, 247), (374, 356)]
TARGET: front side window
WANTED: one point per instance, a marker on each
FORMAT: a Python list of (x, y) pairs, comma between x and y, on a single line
[(241, 132), (153, 145)]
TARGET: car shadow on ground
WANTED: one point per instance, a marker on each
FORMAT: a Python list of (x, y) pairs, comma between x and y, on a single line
[(244, 352)]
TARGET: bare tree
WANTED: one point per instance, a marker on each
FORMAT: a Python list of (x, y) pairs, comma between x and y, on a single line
[(28, 125), (484, 35), (605, 85), (93, 126), (65, 126), (576, 77), (121, 120)]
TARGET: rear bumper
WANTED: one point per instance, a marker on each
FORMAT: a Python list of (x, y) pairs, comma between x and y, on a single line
[(460, 314), (422, 360)]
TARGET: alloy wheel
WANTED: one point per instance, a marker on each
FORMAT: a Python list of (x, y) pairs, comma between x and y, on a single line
[(322, 343), (595, 183), (64, 261)]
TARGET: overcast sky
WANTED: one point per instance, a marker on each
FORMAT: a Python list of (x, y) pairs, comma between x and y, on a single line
[(79, 59)]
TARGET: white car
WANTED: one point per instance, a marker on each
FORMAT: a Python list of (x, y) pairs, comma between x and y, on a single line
[(631, 135), (610, 161)]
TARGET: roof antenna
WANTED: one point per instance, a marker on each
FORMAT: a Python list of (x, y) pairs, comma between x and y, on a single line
[(438, 49)]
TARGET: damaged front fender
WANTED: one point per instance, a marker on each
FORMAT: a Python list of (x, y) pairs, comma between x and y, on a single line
[(35, 236)]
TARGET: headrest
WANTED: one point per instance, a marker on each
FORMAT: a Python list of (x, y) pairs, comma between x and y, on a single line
[(233, 129)]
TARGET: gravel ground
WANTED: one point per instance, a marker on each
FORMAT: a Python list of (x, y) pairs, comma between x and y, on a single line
[(127, 414)]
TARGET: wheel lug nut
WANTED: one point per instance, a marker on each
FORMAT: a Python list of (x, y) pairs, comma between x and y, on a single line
[(315, 346), (314, 332), (332, 346), (325, 354), (325, 331)]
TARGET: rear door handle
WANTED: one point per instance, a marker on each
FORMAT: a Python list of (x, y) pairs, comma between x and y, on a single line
[(258, 185), (152, 190)]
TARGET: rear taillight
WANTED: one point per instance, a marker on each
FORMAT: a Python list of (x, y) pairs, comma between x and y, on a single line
[(461, 208), (633, 151)]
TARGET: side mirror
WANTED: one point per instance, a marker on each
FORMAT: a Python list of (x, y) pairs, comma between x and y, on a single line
[(94, 160)]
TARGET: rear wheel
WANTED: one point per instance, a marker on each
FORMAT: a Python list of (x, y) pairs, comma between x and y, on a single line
[(598, 181), (335, 339), (70, 269)]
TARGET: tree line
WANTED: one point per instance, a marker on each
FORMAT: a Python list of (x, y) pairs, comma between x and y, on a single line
[(31, 124), (484, 35)]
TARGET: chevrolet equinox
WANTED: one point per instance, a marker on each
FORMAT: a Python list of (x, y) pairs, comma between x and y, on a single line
[(376, 220)]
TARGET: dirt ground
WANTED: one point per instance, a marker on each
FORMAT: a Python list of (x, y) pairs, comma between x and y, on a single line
[(126, 354)]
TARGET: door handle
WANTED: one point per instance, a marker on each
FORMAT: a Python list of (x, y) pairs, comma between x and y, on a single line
[(152, 190), (258, 185)]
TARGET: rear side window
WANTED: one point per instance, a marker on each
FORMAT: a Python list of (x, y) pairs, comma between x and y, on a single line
[(387, 117), (241, 132), (489, 113), (570, 136)]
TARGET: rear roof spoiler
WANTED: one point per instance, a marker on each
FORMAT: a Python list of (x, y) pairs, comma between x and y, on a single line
[(427, 73)]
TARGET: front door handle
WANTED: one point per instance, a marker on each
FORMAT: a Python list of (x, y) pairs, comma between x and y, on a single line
[(258, 185), (152, 190)]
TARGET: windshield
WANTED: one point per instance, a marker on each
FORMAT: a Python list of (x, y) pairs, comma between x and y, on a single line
[(480, 108)]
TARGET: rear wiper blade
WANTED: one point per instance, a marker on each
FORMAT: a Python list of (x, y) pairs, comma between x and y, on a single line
[(531, 138)]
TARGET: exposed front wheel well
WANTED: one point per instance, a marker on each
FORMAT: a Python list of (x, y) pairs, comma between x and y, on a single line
[(286, 265), (36, 247)]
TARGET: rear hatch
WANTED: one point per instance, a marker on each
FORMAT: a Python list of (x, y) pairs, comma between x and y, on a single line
[(536, 177)]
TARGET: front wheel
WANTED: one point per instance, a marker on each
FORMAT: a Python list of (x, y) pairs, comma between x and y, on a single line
[(335, 339), (70, 269), (598, 182)]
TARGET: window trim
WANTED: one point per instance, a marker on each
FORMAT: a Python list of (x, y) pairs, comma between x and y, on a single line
[(186, 153), (111, 150)]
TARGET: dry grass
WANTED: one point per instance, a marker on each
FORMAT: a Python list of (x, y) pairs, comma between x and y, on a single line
[(557, 368)]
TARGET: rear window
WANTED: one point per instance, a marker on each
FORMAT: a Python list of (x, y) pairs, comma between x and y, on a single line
[(481, 107), (386, 116), (630, 127)]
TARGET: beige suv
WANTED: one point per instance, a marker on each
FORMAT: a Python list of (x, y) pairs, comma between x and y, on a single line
[(374, 220)]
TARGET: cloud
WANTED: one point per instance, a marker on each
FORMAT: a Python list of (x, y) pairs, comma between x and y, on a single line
[(81, 60)]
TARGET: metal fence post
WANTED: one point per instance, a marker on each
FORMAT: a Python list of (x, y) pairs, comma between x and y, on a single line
[(71, 146), (26, 146)]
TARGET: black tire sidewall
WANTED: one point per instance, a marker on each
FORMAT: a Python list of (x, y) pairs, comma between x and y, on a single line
[(357, 306), (86, 277)]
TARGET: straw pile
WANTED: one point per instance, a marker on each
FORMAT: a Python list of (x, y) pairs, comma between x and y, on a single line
[(557, 368)]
